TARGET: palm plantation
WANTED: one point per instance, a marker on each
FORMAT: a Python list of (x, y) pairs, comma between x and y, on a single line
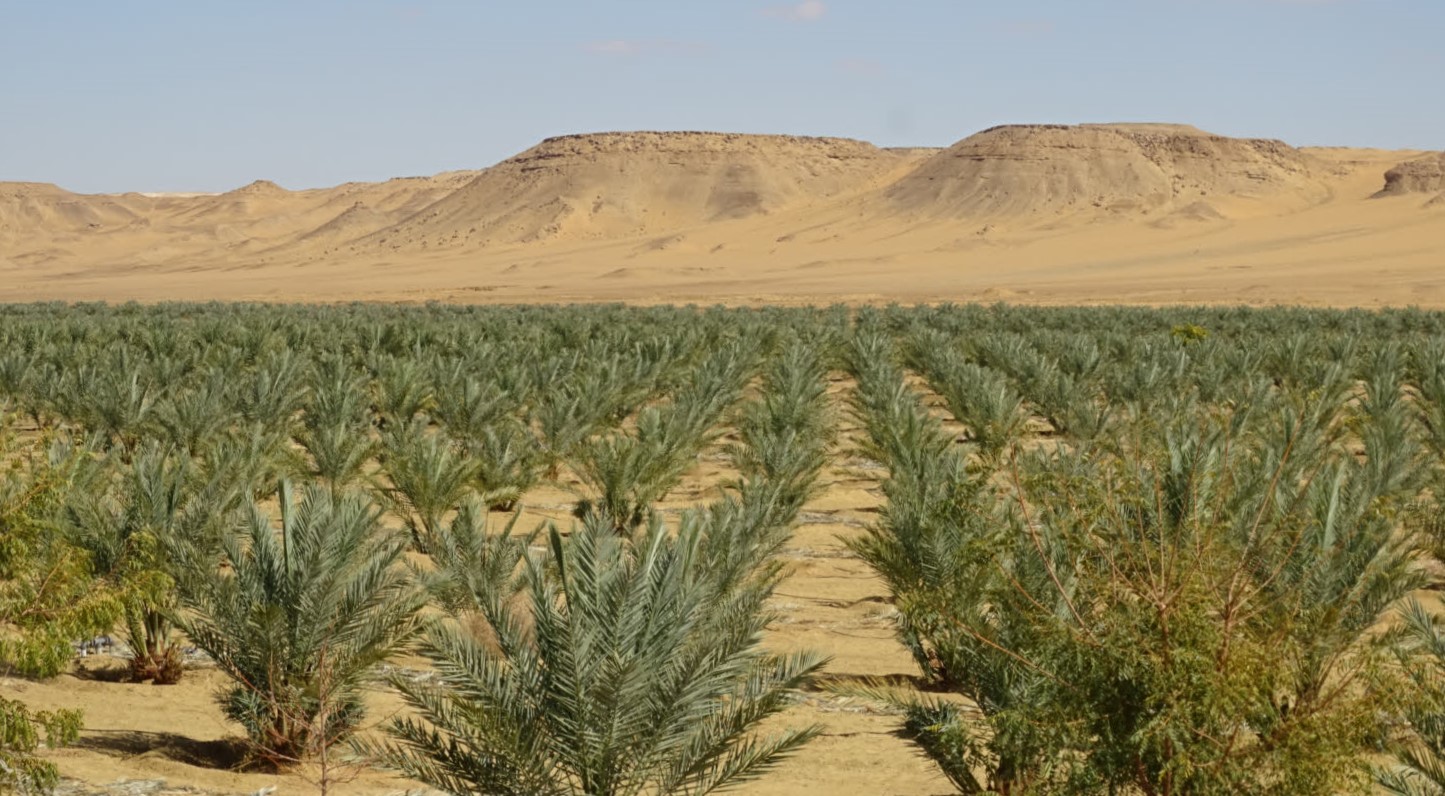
[(1129, 551)]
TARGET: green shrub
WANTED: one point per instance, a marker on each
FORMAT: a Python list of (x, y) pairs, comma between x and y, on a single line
[(47, 599)]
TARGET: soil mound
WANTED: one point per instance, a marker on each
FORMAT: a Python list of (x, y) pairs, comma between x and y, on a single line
[(1048, 170)]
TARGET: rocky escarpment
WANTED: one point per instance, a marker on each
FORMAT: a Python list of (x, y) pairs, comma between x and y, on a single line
[(1420, 176), (1048, 170), (625, 184)]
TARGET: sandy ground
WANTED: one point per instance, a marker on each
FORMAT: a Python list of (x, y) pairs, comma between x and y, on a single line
[(831, 603), (1151, 215)]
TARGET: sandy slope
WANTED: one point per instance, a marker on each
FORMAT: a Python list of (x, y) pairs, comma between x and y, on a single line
[(1045, 213)]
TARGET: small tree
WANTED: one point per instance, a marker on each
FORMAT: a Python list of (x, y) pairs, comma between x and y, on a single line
[(47, 599), (320, 602)]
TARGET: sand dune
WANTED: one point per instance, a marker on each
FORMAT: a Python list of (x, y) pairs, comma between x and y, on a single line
[(1037, 213)]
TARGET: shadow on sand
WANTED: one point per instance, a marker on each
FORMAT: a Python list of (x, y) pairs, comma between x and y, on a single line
[(225, 754)]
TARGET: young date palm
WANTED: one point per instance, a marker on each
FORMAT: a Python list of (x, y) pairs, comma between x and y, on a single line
[(784, 435), (983, 400), (1420, 755), (191, 419), (143, 530), (339, 452), (627, 670), (251, 460), (121, 401), (629, 472), (508, 459), (271, 396), (429, 476), (473, 566), (402, 391), (301, 616), (336, 429)]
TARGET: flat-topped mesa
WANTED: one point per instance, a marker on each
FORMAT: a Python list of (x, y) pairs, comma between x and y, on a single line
[(1046, 171), (1423, 175), (618, 185), (695, 143)]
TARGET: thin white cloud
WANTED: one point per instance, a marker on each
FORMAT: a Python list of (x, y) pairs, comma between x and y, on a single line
[(806, 11)]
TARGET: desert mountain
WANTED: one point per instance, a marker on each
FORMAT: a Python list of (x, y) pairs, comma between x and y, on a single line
[(1153, 212), (44, 223), (1042, 171), (31, 209), (618, 185)]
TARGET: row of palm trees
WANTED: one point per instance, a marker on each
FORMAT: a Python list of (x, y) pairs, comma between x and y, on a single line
[(1098, 446), (1215, 596), (627, 650), (524, 386)]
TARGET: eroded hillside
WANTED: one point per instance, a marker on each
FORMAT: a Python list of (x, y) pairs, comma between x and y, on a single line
[(1046, 213)]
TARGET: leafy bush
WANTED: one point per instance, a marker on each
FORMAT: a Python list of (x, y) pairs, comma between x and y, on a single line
[(1185, 610), (22, 732), (47, 599)]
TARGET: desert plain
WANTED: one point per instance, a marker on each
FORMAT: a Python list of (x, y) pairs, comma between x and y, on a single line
[(1049, 214)]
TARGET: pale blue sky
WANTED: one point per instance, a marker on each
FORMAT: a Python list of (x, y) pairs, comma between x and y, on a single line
[(175, 95)]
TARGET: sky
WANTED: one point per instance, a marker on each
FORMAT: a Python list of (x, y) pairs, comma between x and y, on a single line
[(195, 95)]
